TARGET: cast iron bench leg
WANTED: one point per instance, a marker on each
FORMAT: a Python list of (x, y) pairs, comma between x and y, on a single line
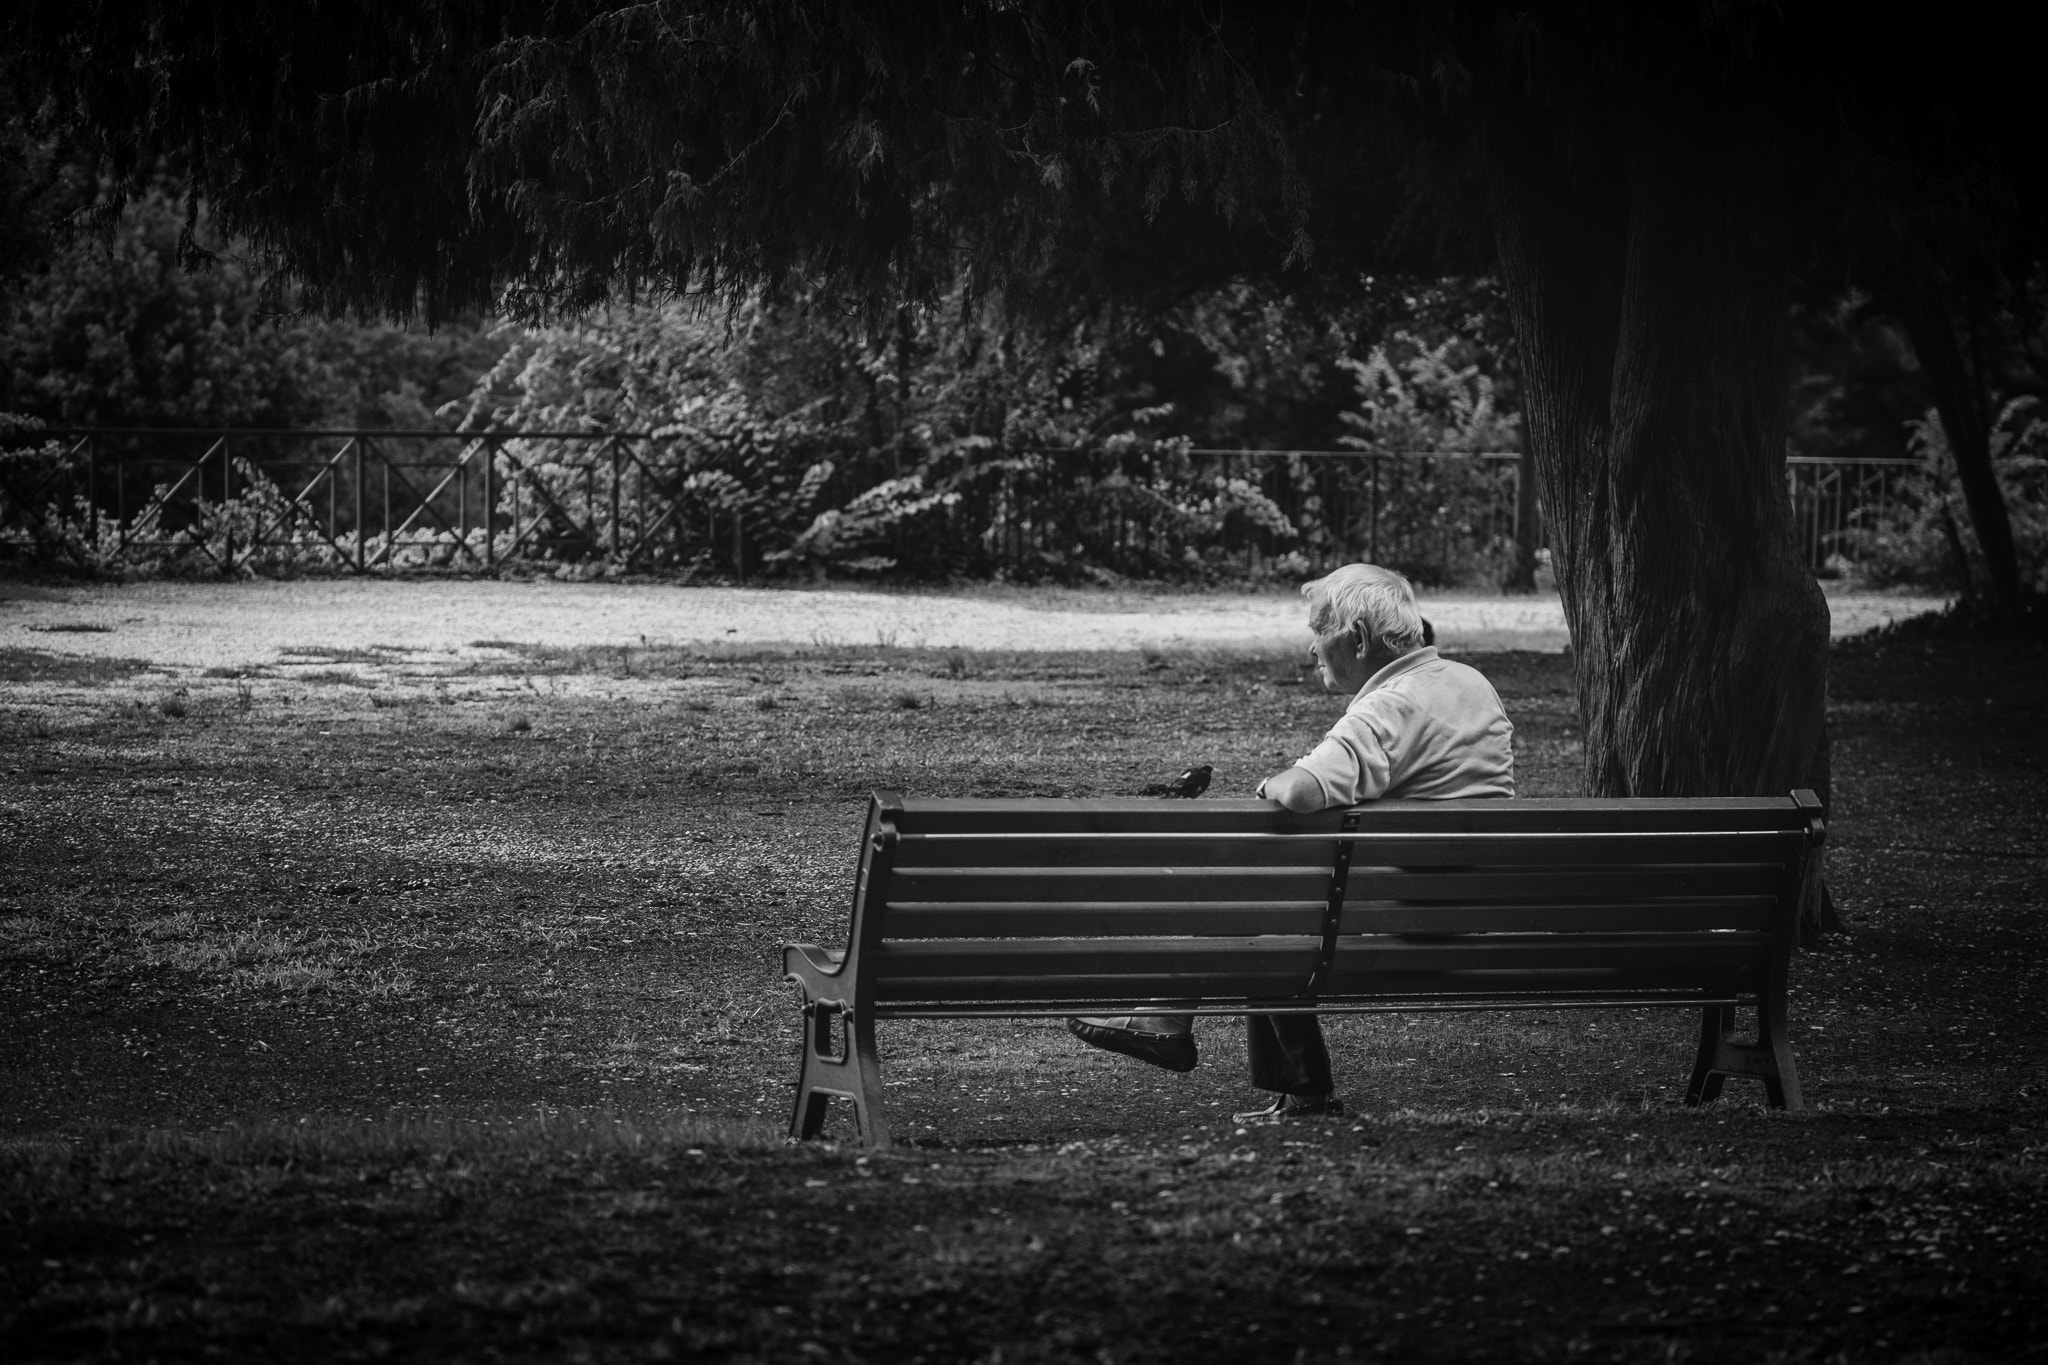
[(1769, 1058), (846, 1067)]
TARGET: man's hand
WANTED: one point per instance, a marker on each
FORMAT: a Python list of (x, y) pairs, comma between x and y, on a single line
[(1295, 789)]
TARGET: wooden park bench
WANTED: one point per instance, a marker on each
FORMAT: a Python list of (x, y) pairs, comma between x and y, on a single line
[(976, 909)]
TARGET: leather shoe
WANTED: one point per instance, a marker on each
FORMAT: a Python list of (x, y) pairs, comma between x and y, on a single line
[(1174, 1051), (1294, 1108)]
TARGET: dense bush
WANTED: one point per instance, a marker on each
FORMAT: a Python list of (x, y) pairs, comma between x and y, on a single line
[(942, 443), (136, 326), (126, 329), (784, 437), (1440, 517), (1922, 536), (789, 438), (115, 332)]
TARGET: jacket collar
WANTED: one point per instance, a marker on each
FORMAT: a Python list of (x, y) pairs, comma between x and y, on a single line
[(1407, 663)]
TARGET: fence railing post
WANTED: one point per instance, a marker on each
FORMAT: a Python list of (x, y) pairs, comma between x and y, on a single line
[(1372, 530), (613, 446), (490, 504), (227, 507), (92, 501), (362, 529)]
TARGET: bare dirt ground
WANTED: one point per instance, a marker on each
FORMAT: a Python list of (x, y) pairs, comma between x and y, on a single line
[(366, 998), (195, 626)]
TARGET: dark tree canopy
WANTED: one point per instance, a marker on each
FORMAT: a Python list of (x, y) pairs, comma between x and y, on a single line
[(434, 156), (442, 156)]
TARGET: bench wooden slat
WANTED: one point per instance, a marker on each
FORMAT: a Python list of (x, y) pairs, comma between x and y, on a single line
[(1629, 883), (942, 997), (1227, 881), (1520, 848), (1676, 915), (1059, 919), (1538, 982), (1361, 954), (1062, 919), (1562, 996), (1049, 815), (1564, 816), (1405, 849), (1240, 850), (1093, 994), (1358, 955), (1370, 848), (1148, 884), (1151, 957), (1041, 816), (1009, 998)]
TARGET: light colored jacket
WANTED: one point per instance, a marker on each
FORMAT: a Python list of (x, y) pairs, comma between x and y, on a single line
[(1423, 726)]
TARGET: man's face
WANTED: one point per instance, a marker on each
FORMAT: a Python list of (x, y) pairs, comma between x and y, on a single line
[(1336, 654)]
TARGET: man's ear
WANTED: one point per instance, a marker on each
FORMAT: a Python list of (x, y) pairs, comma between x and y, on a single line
[(1364, 639)]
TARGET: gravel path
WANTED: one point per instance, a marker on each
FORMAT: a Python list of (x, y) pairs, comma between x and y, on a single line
[(201, 625)]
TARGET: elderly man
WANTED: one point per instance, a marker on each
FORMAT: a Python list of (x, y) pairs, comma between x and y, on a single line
[(1418, 726)]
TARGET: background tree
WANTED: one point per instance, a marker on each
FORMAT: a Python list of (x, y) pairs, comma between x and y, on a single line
[(1859, 392), (134, 323), (1933, 212)]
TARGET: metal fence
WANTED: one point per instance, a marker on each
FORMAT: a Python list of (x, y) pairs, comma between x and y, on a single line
[(379, 501), (360, 500), (1834, 501)]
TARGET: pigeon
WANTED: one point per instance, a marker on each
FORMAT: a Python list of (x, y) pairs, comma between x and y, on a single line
[(1189, 784)]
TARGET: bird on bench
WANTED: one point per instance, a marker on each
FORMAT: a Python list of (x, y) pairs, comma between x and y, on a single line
[(1188, 785)]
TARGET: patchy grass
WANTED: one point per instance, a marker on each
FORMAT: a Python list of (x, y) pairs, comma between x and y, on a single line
[(215, 955), (343, 677), (338, 1030), (331, 654), (44, 667)]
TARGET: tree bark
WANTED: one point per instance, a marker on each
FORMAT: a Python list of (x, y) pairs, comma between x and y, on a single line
[(1644, 245), (1528, 527), (1964, 405)]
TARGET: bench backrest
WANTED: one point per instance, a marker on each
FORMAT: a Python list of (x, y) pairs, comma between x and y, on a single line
[(1007, 907)]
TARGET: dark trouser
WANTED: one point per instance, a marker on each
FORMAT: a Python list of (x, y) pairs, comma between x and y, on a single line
[(1288, 1055)]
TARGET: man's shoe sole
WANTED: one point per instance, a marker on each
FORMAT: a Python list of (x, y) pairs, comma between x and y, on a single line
[(1332, 1108), (1174, 1051)]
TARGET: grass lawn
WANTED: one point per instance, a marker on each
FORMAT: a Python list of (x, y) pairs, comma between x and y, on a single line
[(355, 1009)]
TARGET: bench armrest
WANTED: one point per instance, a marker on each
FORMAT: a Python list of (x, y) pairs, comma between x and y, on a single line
[(817, 970)]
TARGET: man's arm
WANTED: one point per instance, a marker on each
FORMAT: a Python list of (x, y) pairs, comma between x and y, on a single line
[(1296, 789)]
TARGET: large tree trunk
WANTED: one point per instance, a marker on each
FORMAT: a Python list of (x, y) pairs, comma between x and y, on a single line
[(1643, 242), (1964, 403)]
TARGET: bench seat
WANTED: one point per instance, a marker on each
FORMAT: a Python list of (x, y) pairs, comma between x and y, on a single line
[(969, 908)]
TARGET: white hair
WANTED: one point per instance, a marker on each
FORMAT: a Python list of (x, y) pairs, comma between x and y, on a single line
[(1365, 594)]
